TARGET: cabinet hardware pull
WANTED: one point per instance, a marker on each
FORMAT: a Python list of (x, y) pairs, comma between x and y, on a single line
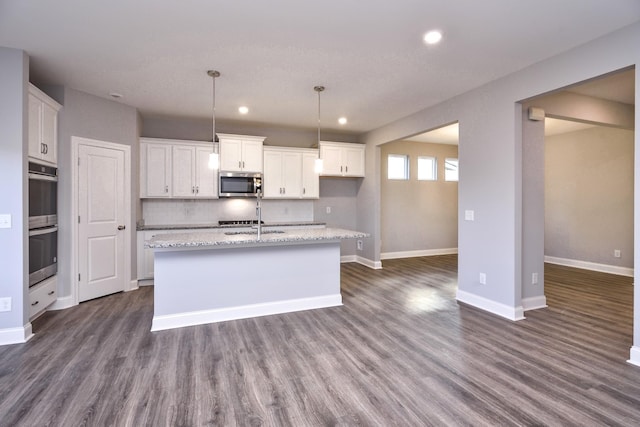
[(284, 190), (197, 189), (304, 190), (340, 168), (239, 164), (35, 303), (51, 292), (166, 188), (243, 164), (346, 168), (41, 148), (46, 148), (121, 227), (193, 189)]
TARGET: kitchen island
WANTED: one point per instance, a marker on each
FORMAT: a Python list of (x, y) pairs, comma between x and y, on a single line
[(223, 275)]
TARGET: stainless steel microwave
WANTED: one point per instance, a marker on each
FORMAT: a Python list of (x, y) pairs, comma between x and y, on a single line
[(238, 184)]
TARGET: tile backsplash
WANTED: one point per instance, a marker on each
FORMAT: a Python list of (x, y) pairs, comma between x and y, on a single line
[(171, 211)]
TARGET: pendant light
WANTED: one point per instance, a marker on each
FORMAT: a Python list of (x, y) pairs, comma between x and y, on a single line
[(318, 164), (214, 160)]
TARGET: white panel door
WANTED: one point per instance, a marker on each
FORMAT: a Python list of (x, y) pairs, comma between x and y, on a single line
[(206, 178), (49, 133), (230, 155), (272, 176), (158, 170), (331, 160), (183, 170), (292, 174), (101, 205), (310, 178), (354, 161), (252, 156)]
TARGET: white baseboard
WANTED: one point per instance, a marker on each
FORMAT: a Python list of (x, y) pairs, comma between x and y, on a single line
[(376, 265), (593, 266), (534, 303), (133, 285), (145, 282), (62, 303), (16, 335), (242, 312), (413, 254), (502, 310), (634, 355)]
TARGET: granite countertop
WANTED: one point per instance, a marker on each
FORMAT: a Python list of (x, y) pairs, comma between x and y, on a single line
[(200, 226), (239, 238)]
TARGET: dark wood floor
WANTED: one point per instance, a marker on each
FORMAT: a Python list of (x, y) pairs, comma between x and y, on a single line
[(400, 351)]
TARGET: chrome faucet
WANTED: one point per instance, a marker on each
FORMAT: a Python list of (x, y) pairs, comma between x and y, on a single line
[(259, 212)]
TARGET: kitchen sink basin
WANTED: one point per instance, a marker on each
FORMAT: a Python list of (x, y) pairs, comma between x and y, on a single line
[(233, 233)]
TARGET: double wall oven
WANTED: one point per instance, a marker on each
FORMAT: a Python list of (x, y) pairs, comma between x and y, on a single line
[(43, 222)]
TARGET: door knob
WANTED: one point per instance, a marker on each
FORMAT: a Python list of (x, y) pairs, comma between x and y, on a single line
[(121, 227)]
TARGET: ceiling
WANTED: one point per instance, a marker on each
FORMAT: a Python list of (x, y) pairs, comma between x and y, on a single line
[(369, 55)]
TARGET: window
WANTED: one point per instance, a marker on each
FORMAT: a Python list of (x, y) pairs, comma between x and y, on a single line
[(450, 169), (427, 169), (398, 166)]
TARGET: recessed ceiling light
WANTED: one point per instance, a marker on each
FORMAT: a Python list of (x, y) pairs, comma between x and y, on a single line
[(432, 37), (342, 120), (115, 95), (243, 110)]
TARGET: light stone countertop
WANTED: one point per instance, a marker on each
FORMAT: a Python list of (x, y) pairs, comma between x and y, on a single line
[(239, 238), (215, 225)]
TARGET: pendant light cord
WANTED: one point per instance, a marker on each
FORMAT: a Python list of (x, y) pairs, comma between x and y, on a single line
[(318, 89), (214, 74)]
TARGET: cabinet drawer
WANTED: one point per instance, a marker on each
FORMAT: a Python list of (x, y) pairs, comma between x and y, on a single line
[(42, 295)]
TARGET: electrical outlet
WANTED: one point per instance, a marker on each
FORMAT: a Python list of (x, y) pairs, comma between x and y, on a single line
[(328, 209), (483, 279), (359, 244), (534, 278), (5, 304), (617, 253)]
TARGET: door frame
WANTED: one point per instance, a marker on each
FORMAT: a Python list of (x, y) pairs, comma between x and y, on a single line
[(76, 142)]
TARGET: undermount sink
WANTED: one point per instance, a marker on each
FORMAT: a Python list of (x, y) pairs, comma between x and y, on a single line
[(233, 233)]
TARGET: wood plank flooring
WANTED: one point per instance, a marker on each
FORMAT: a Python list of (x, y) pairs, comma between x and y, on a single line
[(400, 351)]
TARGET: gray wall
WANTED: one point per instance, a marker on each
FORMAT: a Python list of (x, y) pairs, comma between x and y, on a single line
[(89, 116), (589, 196), (418, 215), (340, 194), (13, 178), (491, 174), (200, 130)]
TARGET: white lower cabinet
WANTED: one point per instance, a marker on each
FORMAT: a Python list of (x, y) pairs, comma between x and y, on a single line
[(42, 296)]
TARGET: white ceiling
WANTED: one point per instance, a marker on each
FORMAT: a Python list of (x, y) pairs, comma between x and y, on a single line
[(369, 55)]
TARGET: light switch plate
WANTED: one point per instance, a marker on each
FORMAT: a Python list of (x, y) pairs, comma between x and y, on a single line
[(5, 304), (469, 215), (5, 221)]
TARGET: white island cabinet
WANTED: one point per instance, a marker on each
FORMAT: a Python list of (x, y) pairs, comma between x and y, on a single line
[(224, 275)]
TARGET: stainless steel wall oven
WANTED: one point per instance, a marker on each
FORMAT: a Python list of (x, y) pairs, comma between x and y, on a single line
[(43, 222)]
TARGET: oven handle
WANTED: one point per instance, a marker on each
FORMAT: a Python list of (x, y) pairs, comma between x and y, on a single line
[(41, 177), (39, 231)]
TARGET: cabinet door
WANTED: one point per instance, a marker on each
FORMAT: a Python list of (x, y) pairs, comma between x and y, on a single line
[(292, 175), (272, 176), (310, 179), (206, 179), (49, 131), (252, 156), (158, 170), (230, 155), (331, 160), (183, 170), (35, 140), (354, 161)]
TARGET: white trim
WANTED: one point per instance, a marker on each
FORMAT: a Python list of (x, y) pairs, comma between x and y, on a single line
[(502, 310), (76, 141), (634, 355), (133, 286), (16, 335), (193, 318), (145, 282), (593, 266), (534, 303), (413, 254), (62, 303), (376, 265), (348, 258)]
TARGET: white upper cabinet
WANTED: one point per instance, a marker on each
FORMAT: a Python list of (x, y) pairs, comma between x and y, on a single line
[(342, 159), (43, 126), (287, 175), (240, 153), (176, 169)]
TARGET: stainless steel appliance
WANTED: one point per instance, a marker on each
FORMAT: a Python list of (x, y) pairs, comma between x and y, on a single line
[(237, 184), (43, 199), (43, 222), (43, 254)]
